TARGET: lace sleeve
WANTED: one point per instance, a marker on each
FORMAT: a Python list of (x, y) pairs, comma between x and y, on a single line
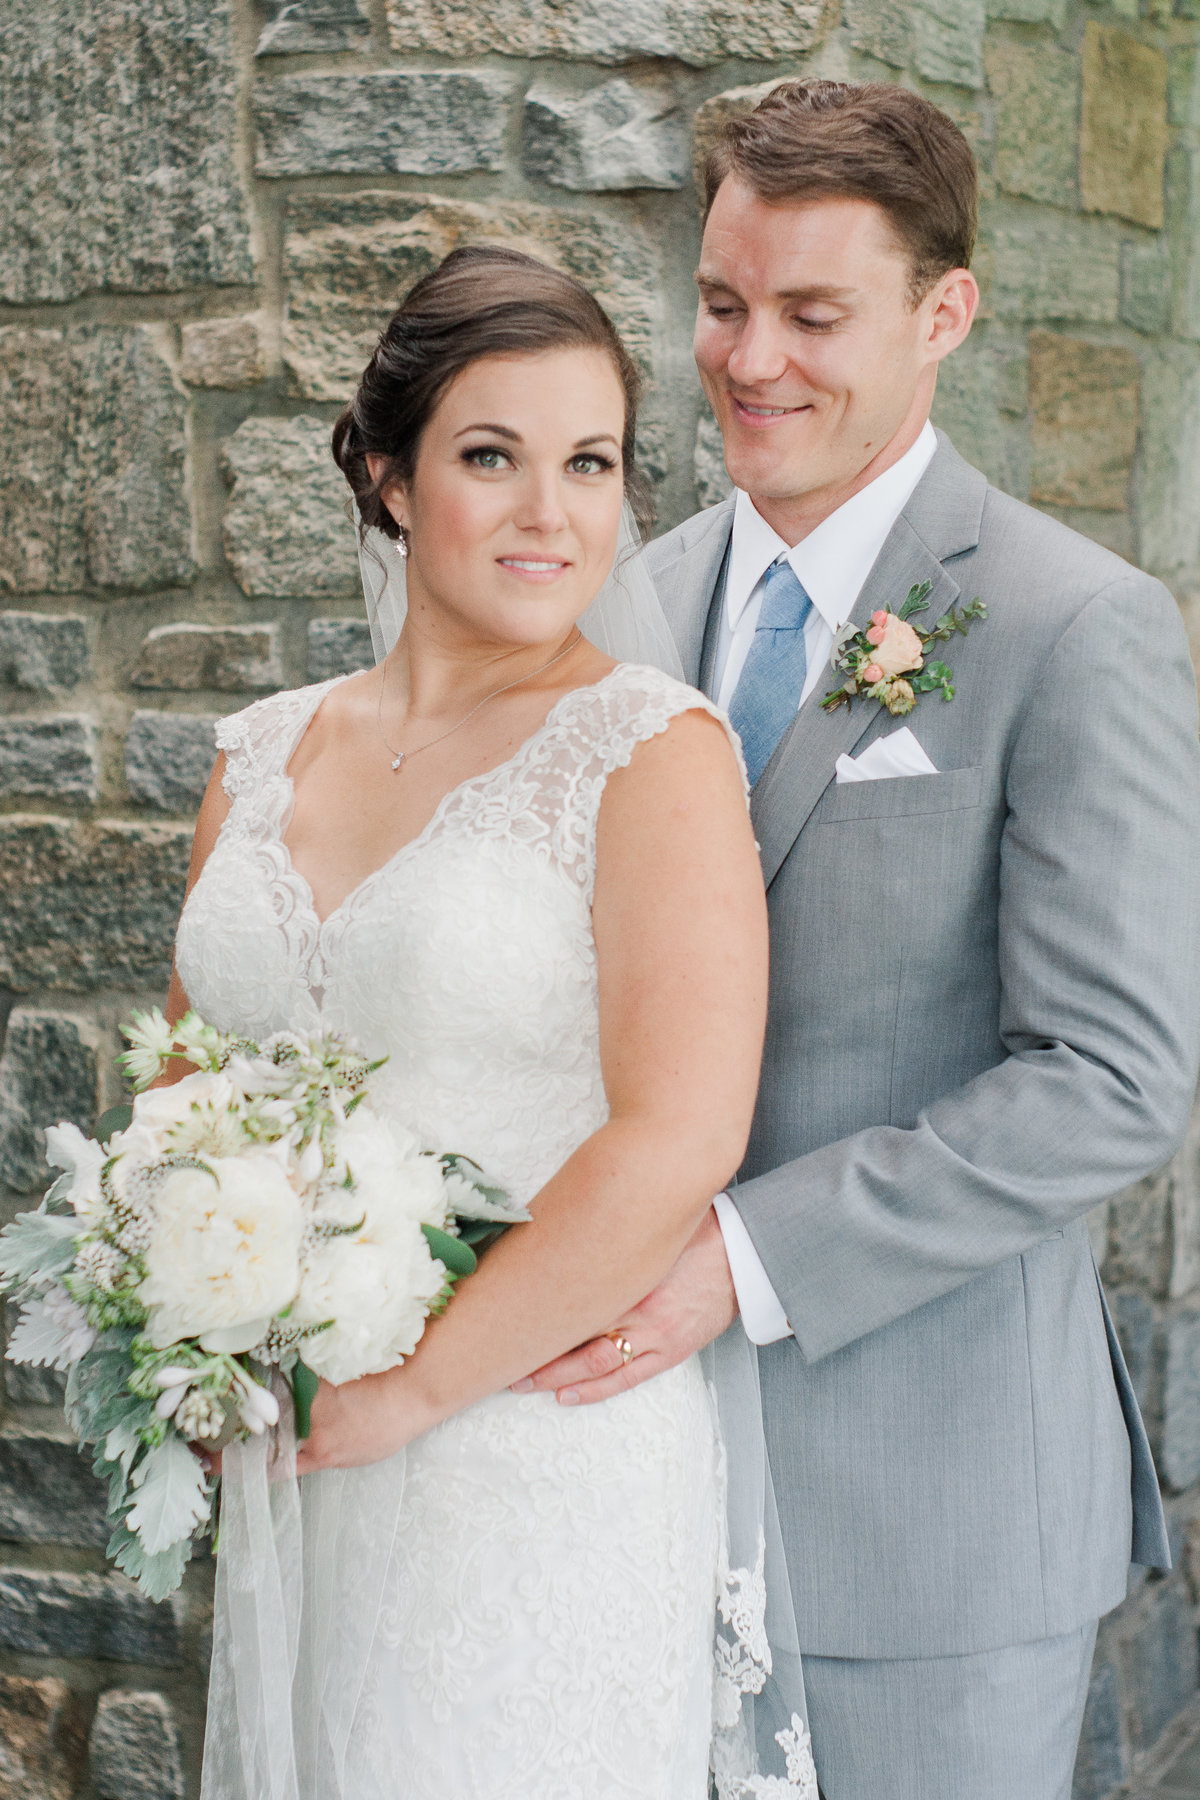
[(258, 741), (601, 728)]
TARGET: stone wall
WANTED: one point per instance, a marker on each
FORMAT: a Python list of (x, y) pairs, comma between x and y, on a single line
[(208, 209)]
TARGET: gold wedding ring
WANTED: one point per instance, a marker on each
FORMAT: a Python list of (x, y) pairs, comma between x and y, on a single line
[(623, 1345)]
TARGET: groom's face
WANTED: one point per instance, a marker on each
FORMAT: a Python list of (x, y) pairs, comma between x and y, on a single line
[(811, 354)]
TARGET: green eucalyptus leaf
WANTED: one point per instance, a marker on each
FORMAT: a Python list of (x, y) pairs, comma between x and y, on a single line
[(305, 1383), (117, 1118), (458, 1257)]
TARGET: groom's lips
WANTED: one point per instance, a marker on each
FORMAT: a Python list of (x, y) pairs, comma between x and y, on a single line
[(760, 418)]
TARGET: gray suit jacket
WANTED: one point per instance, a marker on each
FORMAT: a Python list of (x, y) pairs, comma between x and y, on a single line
[(984, 1019)]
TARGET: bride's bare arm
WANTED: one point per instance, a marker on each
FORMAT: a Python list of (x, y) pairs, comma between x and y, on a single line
[(213, 812), (681, 939)]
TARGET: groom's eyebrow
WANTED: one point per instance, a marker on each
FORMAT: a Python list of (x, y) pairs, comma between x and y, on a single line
[(816, 290)]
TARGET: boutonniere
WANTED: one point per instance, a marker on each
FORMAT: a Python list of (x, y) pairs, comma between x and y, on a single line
[(887, 662)]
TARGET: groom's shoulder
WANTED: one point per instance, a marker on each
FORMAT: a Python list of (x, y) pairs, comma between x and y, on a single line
[(1048, 568), (693, 533)]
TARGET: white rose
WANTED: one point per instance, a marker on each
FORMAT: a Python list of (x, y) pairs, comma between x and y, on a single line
[(224, 1253), (83, 1159)]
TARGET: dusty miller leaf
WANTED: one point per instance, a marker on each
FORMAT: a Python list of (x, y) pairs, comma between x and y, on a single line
[(37, 1244), (171, 1498), (158, 1576)]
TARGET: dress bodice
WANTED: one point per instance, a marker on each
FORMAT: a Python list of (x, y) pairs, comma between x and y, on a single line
[(467, 958)]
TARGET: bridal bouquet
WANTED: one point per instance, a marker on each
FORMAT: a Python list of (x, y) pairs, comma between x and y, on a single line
[(257, 1213)]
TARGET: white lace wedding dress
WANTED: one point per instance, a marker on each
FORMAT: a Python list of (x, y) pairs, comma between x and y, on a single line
[(521, 1605)]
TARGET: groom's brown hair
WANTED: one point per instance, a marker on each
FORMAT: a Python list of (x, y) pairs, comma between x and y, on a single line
[(817, 140)]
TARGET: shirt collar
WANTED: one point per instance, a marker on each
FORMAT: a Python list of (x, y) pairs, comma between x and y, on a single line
[(834, 560)]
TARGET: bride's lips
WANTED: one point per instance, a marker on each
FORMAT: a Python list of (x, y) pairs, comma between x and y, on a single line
[(762, 417), (541, 570)]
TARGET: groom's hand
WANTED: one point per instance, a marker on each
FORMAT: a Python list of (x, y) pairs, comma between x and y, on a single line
[(692, 1306)]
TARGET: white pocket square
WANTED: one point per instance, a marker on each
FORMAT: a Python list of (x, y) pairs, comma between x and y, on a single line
[(897, 754)]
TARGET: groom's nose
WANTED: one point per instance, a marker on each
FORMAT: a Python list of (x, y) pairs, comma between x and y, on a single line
[(760, 351)]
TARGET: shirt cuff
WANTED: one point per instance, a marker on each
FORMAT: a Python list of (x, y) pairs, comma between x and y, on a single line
[(763, 1318)]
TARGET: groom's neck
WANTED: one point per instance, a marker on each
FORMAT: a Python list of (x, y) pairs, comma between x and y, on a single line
[(794, 516)]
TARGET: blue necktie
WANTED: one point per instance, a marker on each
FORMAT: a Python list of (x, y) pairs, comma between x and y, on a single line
[(772, 679)]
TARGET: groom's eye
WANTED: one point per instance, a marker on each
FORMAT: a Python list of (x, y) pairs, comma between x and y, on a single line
[(815, 324)]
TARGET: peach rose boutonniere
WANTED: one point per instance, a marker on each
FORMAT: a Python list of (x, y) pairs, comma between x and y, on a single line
[(888, 661)]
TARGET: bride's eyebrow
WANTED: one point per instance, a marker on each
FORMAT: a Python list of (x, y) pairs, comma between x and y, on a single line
[(597, 437), (504, 431)]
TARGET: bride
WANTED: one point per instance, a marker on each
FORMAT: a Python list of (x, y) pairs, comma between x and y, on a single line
[(525, 874)]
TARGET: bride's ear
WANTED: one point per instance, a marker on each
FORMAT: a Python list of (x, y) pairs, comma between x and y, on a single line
[(392, 493)]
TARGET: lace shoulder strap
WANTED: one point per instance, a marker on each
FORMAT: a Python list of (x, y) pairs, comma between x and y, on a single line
[(259, 740), (597, 730)]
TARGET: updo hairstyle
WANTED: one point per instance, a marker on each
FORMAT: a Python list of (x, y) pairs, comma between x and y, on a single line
[(482, 300)]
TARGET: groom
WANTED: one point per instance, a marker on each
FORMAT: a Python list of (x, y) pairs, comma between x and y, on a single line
[(986, 994)]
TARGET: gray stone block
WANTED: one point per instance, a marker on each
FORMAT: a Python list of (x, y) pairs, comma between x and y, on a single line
[(92, 488), (1139, 1233), (43, 1739), (1037, 114), (287, 529), (1053, 266), (350, 258), (1165, 479), (712, 480), (89, 905), (101, 1617), (428, 122), (942, 38), (1160, 1663), (47, 1074), (620, 135), (48, 1494), (699, 32), (223, 353), (169, 758), (1145, 287), (1181, 1401), (295, 27), (230, 658), (120, 165), (41, 652), (26, 1386), (338, 647), (135, 1747), (49, 755), (1101, 1764)]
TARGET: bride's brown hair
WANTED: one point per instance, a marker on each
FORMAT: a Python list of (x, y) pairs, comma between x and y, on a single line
[(483, 300)]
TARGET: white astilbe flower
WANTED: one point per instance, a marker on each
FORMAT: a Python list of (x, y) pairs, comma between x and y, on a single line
[(100, 1264)]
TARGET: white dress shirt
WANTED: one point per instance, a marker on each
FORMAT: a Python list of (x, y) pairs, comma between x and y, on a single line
[(831, 563)]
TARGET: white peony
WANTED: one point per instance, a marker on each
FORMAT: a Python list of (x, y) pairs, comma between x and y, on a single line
[(157, 1111), (82, 1158), (223, 1257), (376, 1284)]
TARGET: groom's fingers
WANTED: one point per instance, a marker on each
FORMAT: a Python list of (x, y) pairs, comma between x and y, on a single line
[(605, 1387), (598, 1357)]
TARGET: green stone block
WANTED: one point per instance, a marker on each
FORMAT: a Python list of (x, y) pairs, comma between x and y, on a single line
[(1050, 265), (1030, 12), (1146, 287), (1037, 107)]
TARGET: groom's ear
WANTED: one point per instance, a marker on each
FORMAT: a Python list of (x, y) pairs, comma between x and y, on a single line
[(951, 306)]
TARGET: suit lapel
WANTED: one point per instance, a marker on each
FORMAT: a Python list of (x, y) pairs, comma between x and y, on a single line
[(686, 587), (803, 764)]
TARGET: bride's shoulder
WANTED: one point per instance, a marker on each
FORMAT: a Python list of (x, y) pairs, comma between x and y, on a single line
[(635, 703)]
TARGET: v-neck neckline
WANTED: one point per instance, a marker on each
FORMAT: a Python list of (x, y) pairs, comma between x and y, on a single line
[(284, 816)]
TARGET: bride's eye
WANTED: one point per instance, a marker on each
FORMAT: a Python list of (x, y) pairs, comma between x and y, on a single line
[(589, 462), (486, 456)]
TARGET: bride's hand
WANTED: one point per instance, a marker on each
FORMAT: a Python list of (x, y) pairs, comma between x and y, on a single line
[(362, 1421)]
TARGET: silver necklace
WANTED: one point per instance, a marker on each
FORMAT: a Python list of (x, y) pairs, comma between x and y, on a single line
[(402, 756)]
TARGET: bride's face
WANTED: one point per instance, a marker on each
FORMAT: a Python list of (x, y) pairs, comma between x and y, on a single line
[(515, 500)]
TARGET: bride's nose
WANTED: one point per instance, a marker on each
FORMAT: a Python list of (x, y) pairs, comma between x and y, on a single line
[(540, 504)]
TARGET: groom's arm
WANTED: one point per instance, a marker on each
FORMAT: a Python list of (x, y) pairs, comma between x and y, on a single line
[(1100, 966), (1100, 1004)]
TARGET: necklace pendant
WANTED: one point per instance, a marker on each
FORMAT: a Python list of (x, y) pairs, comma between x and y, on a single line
[(398, 761)]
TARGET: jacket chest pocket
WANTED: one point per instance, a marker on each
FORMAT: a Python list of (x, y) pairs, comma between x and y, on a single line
[(901, 797)]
